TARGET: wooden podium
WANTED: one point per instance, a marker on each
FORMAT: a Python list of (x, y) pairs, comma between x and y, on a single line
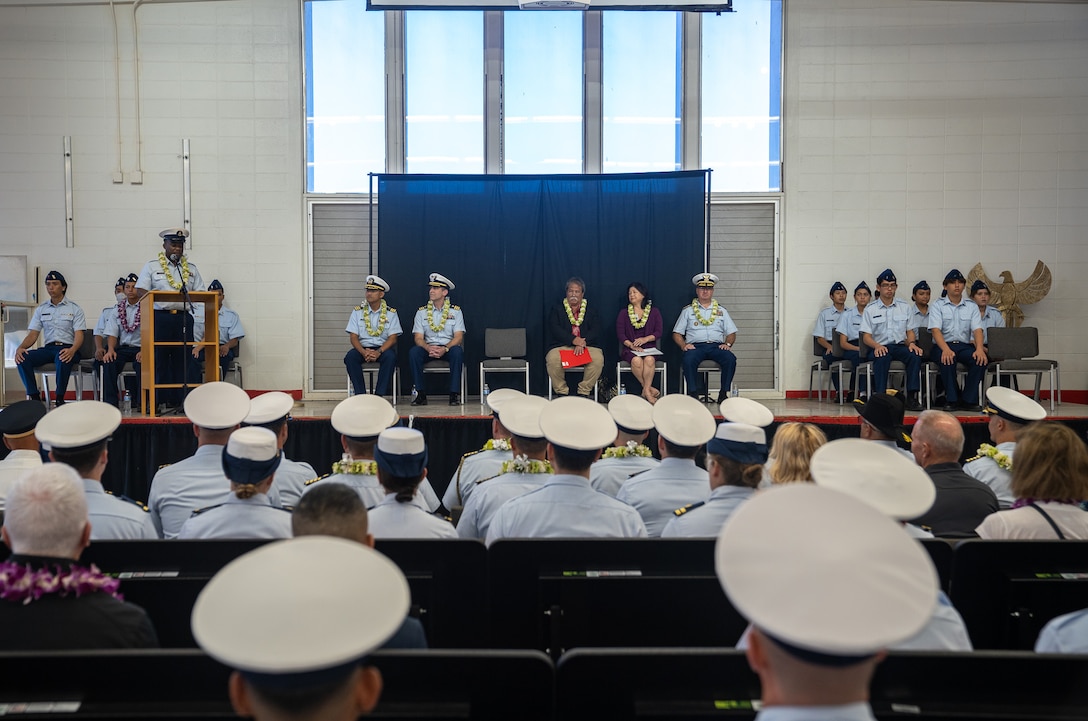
[(149, 347)]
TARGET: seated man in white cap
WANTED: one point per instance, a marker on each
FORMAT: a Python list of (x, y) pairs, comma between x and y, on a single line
[(438, 332), (683, 425), (250, 460), (336, 510), (215, 410), (566, 506), (573, 327), (485, 462), (900, 490), (866, 585), (359, 420), (17, 424), (704, 331), (628, 454), (319, 670), (401, 455), (61, 324), (528, 470), (1010, 412), (734, 464), (373, 328), (272, 411), (78, 435), (1067, 633), (50, 602)]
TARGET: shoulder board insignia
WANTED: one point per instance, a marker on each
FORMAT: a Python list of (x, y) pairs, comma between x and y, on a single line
[(690, 506), (198, 511), (486, 479), (471, 453), (972, 458), (358, 307), (439, 514), (391, 309), (422, 307), (315, 480), (455, 307), (135, 502)]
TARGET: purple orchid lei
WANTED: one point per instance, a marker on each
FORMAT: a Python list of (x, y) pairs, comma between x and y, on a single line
[(22, 583)]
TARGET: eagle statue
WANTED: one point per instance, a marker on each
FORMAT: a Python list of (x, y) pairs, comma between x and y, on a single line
[(1008, 295)]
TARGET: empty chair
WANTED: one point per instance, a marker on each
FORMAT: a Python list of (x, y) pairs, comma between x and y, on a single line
[(1013, 351), (504, 352)]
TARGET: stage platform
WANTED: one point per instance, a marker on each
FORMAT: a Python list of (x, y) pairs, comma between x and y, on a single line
[(141, 445)]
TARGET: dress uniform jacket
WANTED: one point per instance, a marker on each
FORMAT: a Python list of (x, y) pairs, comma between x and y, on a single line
[(116, 519), (474, 466), (392, 519), (196, 482), (290, 480), (15, 465), (566, 506), (997, 478), (54, 623), (253, 517), (1065, 634), (490, 496), (656, 493), (357, 325), (608, 474), (706, 520)]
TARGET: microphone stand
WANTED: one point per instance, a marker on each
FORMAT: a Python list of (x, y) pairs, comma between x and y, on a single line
[(190, 309)]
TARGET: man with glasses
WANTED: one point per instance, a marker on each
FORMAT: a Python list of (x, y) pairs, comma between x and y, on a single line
[(885, 328)]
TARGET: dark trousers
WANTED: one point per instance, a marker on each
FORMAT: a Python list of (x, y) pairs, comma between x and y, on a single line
[(881, 366), (224, 361), (975, 372), (708, 351), (125, 354), (44, 356), (855, 358), (174, 364), (417, 356), (387, 362)]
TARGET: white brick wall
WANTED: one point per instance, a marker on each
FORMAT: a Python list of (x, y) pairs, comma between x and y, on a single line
[(930, 135)]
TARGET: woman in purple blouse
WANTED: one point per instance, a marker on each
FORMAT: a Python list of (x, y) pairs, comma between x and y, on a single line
[(638, 327)]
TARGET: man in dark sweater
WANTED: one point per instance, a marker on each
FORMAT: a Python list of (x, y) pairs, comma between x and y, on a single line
[(962, 502), (49, 601), (575, 327)]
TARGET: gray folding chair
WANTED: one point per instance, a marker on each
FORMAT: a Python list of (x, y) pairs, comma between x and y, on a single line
[(504, 352), (1012, 352)]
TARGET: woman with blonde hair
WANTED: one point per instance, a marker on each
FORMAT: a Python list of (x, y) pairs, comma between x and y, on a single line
[(791, 452), (1050, 483)]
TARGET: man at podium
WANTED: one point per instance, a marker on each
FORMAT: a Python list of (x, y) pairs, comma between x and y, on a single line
[(172, 271)]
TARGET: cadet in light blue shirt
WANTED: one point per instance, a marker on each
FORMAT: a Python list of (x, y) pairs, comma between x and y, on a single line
[(957, 339), (78, 435), (885, 328), (61, 324), (704, 331), (826, 320), (250, 460), (920, 296), (734, 464), (683, 425), (991, 316), (849, 330), (566, 506), (438, 331), (122, 342), (230, 332), (373, 328)]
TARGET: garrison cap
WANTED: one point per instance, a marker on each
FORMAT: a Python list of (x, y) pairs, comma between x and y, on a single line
[(837, 286), (953, 275), (886, 277)]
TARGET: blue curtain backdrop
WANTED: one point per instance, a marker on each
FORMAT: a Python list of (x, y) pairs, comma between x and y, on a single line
[(509, 243)]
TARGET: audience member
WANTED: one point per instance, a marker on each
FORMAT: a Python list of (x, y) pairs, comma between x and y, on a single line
[(882, 421), (1010, 412), (273, 411), (17, 424), (628, 454), (1065, 634), (485, 462), (791, 452), (401, 455)]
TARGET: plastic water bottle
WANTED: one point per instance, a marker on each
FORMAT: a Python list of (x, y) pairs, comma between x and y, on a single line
[(734, 391), (484, 393), (126, 403), (623, 389), (415, 394)]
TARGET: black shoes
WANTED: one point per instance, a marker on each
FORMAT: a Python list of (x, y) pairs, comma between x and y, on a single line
[(455, 399), (419, 400), (911, 403)]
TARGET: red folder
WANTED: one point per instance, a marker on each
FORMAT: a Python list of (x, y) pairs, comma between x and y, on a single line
[(570, 360)]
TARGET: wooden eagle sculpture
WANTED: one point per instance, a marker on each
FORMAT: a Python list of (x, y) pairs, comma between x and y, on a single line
[(1008, 295)]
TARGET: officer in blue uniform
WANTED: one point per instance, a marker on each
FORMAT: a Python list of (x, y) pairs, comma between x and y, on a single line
[(172, 271), (122, 342), (734, 464), (401, 455), (373, 328), (250, 460), (704, 331), (866, 586), (1010, 412), (920, 296), (566, 506), (957, 339), (438, 332), (230, 332), (826, 320), (683, 425), (17, 423), (78, 435), (1065, 634), (272, 410), (484, 462), (628, 454), (849, 330), (61, 324), (215, 410), (885, 328)]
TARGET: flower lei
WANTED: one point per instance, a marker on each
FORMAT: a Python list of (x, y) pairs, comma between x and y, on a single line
[(122, 316), (522, 464), (446, 312), (497, 444), (570, 313), (170, 276), (22, 583), (383, 317), (352, 467), (631, 450), (635, 322), (695, 308), (1002, 460)]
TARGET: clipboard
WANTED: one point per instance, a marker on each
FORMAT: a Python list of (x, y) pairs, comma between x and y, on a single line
[(570, 360)]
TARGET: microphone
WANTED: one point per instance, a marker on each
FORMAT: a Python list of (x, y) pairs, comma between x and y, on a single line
[(175, 258)]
